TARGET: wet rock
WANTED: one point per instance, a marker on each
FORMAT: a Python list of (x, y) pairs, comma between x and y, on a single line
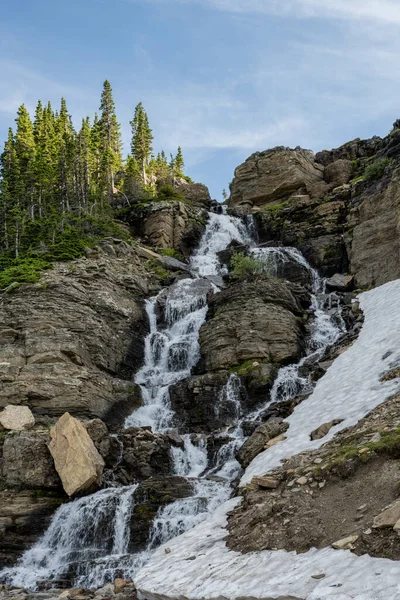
[(76, 458), (177, 225), (324, 429), (150, 496), (27, 461), (340, 283), (24, 516), (199, 404), (16, 417), (257, 442), (145, 454), (98, 432), (120, 584)]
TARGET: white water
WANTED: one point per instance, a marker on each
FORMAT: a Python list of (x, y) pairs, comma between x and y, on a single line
[(350, 389), (80, 533), (76, 533)]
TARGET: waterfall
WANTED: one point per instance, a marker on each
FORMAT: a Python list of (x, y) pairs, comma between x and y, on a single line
[(89, 537), (80, 533)]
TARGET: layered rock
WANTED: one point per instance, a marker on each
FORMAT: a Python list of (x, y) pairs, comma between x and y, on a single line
[(274, 175), (253, 320), (76, 459), (342, 219), (24, 516), (71, 341), (172, 224)]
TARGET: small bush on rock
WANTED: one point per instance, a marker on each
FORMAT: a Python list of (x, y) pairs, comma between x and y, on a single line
[(247, 266), (376, 169)]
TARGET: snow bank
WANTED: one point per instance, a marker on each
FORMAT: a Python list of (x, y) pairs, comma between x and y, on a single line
[(351, 387), (198, 564)]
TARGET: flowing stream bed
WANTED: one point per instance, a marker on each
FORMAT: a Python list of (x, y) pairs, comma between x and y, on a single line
[(88, 538)]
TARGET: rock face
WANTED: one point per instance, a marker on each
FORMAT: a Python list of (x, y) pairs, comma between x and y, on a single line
[(71, 341), (150, 496), (76, 458), (172, 224), (342, 219), (197, 403), (374, 243), (27, 462), (274, 175), (16, 417), (253, 320), (24, 516)]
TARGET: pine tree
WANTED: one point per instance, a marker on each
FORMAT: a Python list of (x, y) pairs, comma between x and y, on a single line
[(109, 139), (224, 195), (9, 194), (179, 162), (25, 154), (142, 139)]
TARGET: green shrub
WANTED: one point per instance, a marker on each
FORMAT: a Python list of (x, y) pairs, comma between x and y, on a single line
[(169, 194), (247, 266), (169, 252), (25, 270), (376, 169)]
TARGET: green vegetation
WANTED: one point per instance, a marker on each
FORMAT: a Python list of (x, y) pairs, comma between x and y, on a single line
[(58, 184), (376, 170), (244, 266), (170, 252)]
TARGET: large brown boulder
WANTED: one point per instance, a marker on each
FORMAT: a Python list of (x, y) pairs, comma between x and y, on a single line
[(253, 320), (77, 461), (274, 175)]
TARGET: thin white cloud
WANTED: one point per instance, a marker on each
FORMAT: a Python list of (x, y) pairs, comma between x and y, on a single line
[(20, 84), (377, 10)]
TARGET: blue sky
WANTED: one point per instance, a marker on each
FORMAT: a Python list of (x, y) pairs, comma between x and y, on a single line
[(221, 78)]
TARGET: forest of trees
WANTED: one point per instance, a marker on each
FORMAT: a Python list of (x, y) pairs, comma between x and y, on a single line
[(58, 184)]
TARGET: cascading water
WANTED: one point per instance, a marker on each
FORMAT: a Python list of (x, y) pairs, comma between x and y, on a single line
[(91, 535)]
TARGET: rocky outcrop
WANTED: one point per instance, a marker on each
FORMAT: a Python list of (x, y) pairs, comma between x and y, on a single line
[(373, 236), (196, 194), (274, 175), (253, 320), (76, 459), (172, 224), (71, 341), (342, 217)]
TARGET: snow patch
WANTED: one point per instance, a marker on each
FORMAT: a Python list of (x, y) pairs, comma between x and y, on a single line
[(199, 565)]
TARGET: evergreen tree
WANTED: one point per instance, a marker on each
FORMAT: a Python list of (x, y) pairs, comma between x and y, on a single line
[(142, 139), (179, 162), (109, 139), (224, 195)]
